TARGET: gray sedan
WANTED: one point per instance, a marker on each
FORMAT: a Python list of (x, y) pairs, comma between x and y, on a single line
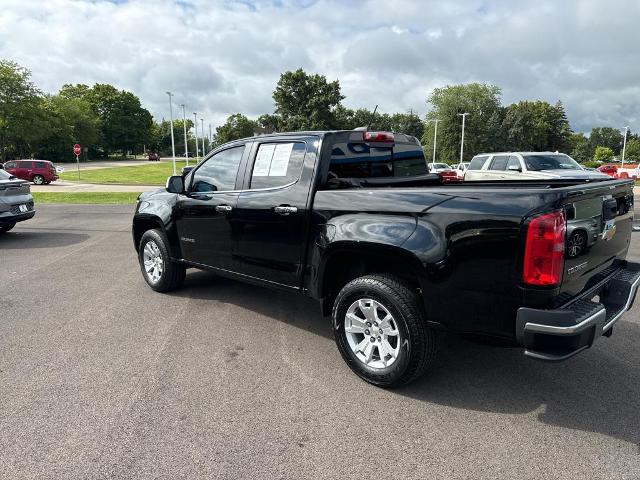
[(16, 202)]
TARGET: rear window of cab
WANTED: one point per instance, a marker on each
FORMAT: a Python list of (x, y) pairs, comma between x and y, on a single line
[(357, 159)]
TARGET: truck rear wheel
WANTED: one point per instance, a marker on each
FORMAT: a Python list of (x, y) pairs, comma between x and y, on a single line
[(160, 272), (380, 330)]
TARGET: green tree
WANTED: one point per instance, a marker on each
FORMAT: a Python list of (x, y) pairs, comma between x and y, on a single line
[(580, 147), (20, 110), (160, 139), (536, 126), (632, 152), (481, 101), (306, 101), (606, 137), (66, 121), (602, 154), (237, 126), (124, 123), (408, 123)]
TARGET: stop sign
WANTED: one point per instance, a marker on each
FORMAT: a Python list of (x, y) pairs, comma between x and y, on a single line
[(76, 149)]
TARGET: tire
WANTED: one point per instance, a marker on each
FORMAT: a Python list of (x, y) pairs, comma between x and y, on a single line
[(166, 274), (6, 227), (577, 244), (414, 346), (38, 179)]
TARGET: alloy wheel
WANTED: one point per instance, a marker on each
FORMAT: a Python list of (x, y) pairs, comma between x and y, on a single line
[(372, 333), (153, 262)]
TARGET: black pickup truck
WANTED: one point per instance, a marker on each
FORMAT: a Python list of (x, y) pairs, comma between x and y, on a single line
[(355, 220)]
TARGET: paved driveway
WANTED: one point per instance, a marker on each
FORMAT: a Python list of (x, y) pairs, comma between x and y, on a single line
[(102, 378)]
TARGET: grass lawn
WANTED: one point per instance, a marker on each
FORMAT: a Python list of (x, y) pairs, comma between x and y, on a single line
[(119, 198), (155, 173)]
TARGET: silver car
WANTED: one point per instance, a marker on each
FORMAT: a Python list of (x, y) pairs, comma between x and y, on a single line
[(16, 202)]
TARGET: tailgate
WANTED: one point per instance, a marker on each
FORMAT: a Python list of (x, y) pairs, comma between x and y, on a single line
[(599, 225)]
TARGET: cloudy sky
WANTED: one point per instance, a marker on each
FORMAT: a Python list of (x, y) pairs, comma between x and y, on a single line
[(223, 56)]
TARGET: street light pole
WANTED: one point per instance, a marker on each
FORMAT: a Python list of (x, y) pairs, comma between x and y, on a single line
[(464, 116), (624, 144), (210, 138), (173, 142), (203, 149), (195, 124), (184, 127), (435, 138)]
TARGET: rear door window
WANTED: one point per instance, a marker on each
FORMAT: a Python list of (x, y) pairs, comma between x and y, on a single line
[(25, 164), (499, 162), (477, 163), (277, 164)]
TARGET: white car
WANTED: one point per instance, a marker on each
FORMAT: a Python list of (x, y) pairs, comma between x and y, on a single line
[(438, 167), (526, 166)]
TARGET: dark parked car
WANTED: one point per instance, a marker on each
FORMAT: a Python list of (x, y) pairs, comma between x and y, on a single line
[(153, 157), (16, 202), (37, 171), (393, 254)]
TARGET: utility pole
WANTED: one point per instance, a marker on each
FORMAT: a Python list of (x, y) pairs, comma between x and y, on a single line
[(203, 135), (435, 138), (464, 116), (195, 124), (210, 138), (184, 127), (624, 144), (173, 142)]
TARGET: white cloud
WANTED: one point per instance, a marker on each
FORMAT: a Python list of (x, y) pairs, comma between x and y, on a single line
[(221, 57)]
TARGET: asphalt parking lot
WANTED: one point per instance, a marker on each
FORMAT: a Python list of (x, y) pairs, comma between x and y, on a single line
[(102, 378)]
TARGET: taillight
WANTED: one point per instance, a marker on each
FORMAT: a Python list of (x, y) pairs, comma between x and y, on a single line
[(385, 137), (544, 250)]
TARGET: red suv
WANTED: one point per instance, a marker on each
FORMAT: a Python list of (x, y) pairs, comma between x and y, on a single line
[(36, 171)]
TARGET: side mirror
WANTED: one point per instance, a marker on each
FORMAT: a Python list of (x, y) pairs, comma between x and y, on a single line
[(175, 184), (513, 168), (185, 171)]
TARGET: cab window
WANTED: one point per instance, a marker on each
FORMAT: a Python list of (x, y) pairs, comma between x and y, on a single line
[(277, 164), (356, 159), (499, 162), (477, 163), (219, 172)]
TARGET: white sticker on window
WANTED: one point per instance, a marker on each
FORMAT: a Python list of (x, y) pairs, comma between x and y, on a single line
[(280, 161), (263, 160)]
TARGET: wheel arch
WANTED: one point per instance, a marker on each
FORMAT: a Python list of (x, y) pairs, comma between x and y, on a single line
[(144, 222), (350, 260)]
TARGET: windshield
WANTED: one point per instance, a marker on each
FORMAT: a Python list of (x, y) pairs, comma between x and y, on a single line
[(551, 162)]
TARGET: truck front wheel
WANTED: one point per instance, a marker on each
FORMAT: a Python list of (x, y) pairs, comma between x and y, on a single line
[(161, 273), (380, 330)]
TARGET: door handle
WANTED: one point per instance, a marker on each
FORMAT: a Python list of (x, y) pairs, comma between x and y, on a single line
[(223, 208), (285, 210)]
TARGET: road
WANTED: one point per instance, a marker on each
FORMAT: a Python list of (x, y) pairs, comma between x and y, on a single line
[(102, 378)]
